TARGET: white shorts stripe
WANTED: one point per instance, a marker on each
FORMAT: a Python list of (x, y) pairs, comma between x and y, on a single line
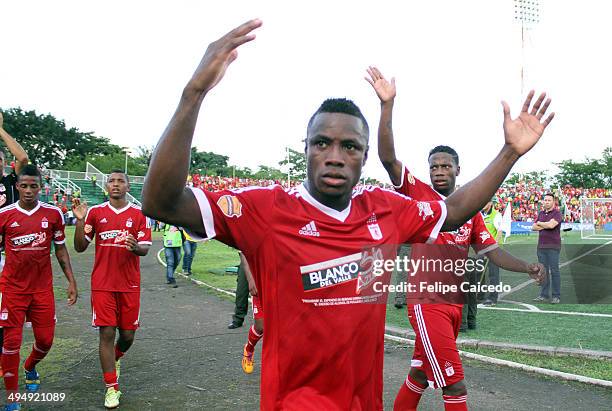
[(438, 376)]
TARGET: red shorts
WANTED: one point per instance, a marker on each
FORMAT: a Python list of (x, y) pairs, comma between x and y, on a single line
[(115, 309), (258, 313), (39, 308), (435, 351)]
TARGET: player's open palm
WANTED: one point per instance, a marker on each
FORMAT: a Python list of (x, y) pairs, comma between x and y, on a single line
[(220, 54), (79, 209), (523, 132), (385, 90)]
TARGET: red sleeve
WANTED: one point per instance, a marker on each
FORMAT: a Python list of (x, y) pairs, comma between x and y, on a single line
[(90, 224), (482, 241), (413, 187), (417, 221), (144, 231), (59, 236), (238, 218)]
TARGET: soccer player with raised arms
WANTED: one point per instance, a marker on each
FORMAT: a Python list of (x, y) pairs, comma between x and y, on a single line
[(122, 235), (324, 345), (436, 318), (26, 286)]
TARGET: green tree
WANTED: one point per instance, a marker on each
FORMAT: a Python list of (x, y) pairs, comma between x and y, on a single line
[(50, 143), (204, 162), (269, 173), (590, 173), (297, 164)]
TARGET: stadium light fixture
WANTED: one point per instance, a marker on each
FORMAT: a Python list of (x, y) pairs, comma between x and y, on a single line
[(527, 12)]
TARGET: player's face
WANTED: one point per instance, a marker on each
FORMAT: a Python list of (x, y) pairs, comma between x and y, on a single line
[(336, 150), (117, 186), (443, 172), (549, 202), (28, 187)]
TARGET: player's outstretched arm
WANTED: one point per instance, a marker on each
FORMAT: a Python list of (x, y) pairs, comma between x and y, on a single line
[(386, 91), (507, 261), (520, 134), (63, 258), (79, 210), (14, 147), (164, 196)]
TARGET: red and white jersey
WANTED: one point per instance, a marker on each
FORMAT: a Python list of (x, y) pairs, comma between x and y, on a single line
[(313, 268), (27, 240), (452, 245), (116, 268)]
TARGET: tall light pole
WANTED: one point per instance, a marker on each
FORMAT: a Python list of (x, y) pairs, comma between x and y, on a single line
[(527, 12), (126, 150)]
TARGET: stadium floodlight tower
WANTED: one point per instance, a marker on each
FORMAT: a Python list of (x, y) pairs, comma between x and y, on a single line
[(527, 12)]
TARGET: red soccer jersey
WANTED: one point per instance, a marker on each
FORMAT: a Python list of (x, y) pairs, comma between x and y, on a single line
[(324, 319), (452, 245), (27, 239), (116, 268)]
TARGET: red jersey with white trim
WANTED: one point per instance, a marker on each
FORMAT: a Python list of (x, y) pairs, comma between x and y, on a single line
[(115, 267), (27, 240), (313, 268), (449, 246)]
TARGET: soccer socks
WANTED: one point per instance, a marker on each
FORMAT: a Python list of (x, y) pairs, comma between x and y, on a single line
[(409, 395), (253, 339), (118, 353), (10, 358), (110, 379), (43, 340), (455, 402)]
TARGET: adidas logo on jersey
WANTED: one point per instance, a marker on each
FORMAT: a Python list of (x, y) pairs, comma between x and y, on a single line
[(310, 229), (103, 220), (15, 224)]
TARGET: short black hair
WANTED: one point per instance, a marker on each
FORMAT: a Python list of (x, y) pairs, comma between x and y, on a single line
[(30, 170), (445, 149), (120, 171), (341, 105), (550, 195)]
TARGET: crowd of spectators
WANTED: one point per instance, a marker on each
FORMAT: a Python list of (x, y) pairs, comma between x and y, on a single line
[(526, 198)]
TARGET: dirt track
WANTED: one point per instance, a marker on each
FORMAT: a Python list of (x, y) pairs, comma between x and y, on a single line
[(184, 357)]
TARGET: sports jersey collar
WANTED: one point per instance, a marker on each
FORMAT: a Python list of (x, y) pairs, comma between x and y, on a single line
[(120, 210), (338, 215), (26, 212)]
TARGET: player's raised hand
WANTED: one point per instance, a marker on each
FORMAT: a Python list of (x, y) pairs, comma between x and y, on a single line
[(73, 294), (537, 272), (523, 132), (219, 55), (385, 90), (79, 209), (130, 243)]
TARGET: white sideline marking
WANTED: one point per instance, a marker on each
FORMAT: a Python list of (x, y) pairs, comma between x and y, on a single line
[(548, 312), (198, 282), (527, 306), (526, 283), (518, 365)]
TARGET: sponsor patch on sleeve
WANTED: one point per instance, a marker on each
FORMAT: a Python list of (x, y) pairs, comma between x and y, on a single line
[(230, 206)]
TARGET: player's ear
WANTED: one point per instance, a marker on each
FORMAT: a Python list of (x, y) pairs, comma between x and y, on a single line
[(365, 156), (458, 170)]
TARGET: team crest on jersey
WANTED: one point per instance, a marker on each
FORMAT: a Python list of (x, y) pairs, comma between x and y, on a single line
[(88, 228), (4, 315), (374, 228), (230, 206), (448, 368), (425, 210), (128, 223), (44, 223), (484, 236)]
